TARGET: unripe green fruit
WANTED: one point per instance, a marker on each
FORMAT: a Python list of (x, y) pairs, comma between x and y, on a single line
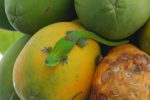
[(28, 16), (113, 19)]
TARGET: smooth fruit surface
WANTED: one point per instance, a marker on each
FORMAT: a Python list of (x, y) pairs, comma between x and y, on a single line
[(7, 91), (4, 23), (145, 38), (28, 16), (113, 19), (33, 79)]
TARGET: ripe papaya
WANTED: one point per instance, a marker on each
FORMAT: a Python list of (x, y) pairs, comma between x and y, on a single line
[(34, 80), (122, 75), (144, 38), (4, 23), (7, 91), (28, 19), (113, 19)]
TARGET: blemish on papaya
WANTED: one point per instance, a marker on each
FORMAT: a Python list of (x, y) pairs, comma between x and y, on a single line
[(124, 57), (143, 61), (46, 12), (34, 95), (76, 95), (102, 96), (113, 64), (106, 76), (136, 70)]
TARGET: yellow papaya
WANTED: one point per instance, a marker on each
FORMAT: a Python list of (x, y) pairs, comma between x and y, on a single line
[(34, 80)]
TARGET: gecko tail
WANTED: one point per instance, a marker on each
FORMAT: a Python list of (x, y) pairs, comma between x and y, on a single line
[(91, 35)]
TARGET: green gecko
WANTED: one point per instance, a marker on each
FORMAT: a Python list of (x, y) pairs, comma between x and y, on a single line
[(64, 45)]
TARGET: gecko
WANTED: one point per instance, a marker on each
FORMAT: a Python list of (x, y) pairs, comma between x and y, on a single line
[(64, 45)]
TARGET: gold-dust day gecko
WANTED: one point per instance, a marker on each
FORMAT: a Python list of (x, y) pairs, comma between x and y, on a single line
[(64, 45)]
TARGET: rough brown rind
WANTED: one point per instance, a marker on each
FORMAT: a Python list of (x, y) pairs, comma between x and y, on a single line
[(122, 75)]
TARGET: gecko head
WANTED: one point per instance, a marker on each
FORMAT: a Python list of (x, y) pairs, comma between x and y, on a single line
[(51, 61)]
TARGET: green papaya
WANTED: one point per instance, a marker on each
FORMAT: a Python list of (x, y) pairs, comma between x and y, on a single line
[(4, 23), (7, 91), (144, 38), (113, 19), (28, 16)]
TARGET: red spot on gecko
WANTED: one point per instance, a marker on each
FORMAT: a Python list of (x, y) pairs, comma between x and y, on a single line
[(69, 39)]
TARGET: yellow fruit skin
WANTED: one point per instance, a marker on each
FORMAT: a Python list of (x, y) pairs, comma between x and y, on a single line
[(33, 80)]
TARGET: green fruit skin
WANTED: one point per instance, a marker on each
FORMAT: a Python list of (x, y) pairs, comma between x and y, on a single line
[(145, 38), (7, 91), (28, 16), (4, 23), (113, 19)]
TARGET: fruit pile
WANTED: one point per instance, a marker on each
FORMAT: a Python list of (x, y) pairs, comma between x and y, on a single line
[(76, 50)]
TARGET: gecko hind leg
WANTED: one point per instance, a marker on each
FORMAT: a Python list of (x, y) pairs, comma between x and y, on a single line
[(82, 42)]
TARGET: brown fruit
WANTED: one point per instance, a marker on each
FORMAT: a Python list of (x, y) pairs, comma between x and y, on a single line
[(122, 75)]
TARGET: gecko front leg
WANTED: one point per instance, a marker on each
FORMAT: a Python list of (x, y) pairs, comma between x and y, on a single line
[(64, 60)]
